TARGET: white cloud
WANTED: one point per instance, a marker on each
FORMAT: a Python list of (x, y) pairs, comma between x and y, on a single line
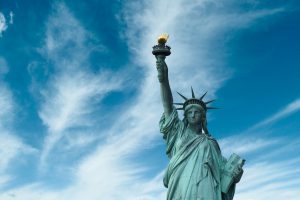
[(270, 180), (6, 105), (236, 20), (271, 169), (3, 66), (285, 112), (273, 173), (11, 146), (253, 139), (3, 25), (245, 144), (80, 140), (73, 91), (71, 97), (11, 17), (70, 103)]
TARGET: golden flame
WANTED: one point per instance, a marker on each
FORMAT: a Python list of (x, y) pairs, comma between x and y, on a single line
[(163, 38)]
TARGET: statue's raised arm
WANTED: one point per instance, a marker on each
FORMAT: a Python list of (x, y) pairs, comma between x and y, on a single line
[(161, 51)]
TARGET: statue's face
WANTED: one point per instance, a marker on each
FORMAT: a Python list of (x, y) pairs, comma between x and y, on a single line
[(194, 115)]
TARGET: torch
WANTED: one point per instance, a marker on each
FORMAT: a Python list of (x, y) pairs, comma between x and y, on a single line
[(161, 50)]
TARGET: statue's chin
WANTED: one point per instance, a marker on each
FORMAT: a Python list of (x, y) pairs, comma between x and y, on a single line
[(194, 122)]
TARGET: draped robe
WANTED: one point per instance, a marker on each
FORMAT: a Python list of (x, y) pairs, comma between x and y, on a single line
[(196, 163)]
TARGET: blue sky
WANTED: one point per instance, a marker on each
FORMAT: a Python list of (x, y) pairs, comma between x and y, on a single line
[(80, 101)]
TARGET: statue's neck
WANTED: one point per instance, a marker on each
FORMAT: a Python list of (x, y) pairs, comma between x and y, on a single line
[(195, 128)]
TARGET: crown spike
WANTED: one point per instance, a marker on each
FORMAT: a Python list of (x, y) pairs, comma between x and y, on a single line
[(182, 96), (209, 101), (180, 104), (212, 108), (203, 96), (193, 94)]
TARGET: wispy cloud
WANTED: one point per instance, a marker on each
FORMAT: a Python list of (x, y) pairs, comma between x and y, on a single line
[(221, 21), (11, 145), (3, 25), (270, 180), (245, 144), (274, 172), (11, 17), (252, 139), (285, 112), (3, 67), (6, 105), (73, 90)]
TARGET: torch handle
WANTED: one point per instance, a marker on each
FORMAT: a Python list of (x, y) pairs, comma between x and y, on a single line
[(160, 58)]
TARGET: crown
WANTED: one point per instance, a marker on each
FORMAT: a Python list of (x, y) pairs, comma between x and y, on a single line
[(194, 100)]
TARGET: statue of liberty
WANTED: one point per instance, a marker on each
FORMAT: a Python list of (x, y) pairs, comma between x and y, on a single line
[(197, 170)]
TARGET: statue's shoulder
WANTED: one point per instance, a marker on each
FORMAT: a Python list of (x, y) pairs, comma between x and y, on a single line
[(214, 141)]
